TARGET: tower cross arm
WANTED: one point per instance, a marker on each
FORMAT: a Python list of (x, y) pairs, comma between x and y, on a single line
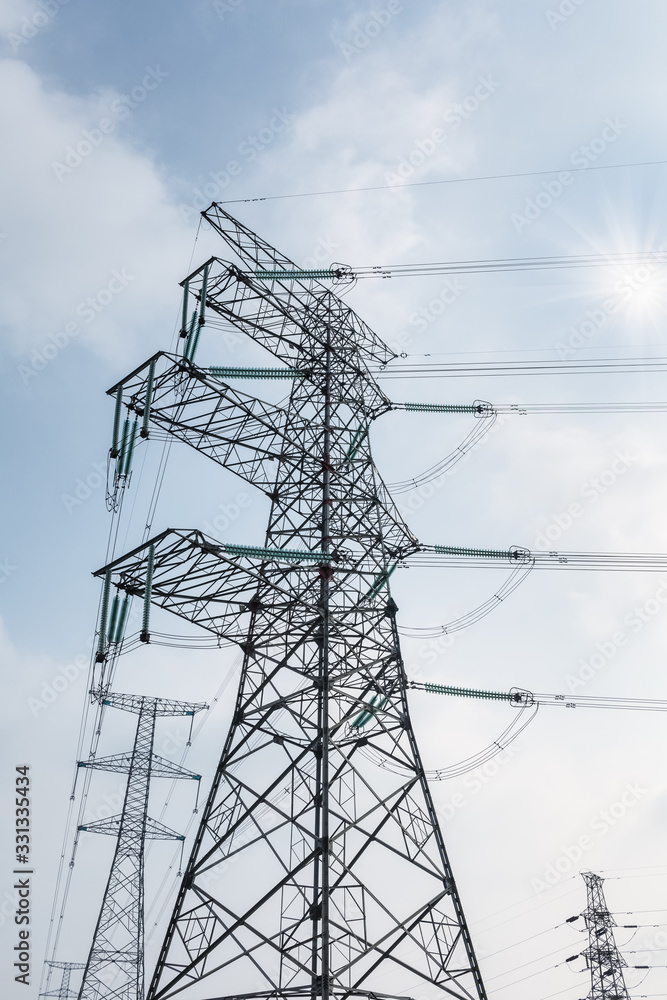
[(111, 826), (121, 763), (210, 583), (138, 703), (310, 296)]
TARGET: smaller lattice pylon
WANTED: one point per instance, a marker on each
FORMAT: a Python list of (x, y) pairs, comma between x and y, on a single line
[(64, 991), (115, 965), (602, 956)]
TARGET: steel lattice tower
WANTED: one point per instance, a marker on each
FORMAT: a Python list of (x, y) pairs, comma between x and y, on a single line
[(319, 868), (115, 965), (64, 992), (602, 956)]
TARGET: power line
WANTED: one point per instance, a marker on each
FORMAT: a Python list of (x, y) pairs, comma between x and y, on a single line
[(503, 264), (575, 986), (520, 902), (532, 975), (483, 409), (458, 556), (444, 180), (475, 369), (523, 698), (524, 941), (347, 274)]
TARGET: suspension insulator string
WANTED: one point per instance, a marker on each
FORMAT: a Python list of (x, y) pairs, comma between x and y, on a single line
[(145, 623), (116, 422), (102, 639), (148, 400), (184, 315)]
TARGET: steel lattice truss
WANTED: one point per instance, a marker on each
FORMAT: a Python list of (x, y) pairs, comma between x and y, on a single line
[(319, 868), (64, 991), (602, 956), (115, 965)]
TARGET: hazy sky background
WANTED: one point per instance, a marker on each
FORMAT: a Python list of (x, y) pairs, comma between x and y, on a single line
[(234, 100)]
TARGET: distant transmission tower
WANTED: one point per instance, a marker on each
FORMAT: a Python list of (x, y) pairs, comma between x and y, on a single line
[(115, 966), (319, 868), (602, 956), (64, 992)]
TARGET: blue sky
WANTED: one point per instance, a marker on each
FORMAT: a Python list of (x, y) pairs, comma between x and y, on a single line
[(311, 95)]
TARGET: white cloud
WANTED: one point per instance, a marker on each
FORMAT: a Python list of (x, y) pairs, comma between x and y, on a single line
[(65, 238), (11, 14)]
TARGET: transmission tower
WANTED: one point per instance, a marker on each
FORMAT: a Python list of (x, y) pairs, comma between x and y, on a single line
[(602, 956), (319, 868), (64, 992), (115, 965)]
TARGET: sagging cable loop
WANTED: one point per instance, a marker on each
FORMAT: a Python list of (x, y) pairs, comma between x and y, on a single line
[(442, 468)]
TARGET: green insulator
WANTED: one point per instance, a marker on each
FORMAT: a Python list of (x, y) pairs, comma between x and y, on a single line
[(467, 692), (290, 555), (129, 450), (115, 443), (361, 720), (195, 342), (184, 313), (104, 611), (115, 604), (364, 715), (375, 705), (148, 588), (381, 581), (455, 550), (188, 339), (440, 408), (122, 619), (356, 442), (202, 299), (293, 275), (148, 399), (123, 446), (226, 371)]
